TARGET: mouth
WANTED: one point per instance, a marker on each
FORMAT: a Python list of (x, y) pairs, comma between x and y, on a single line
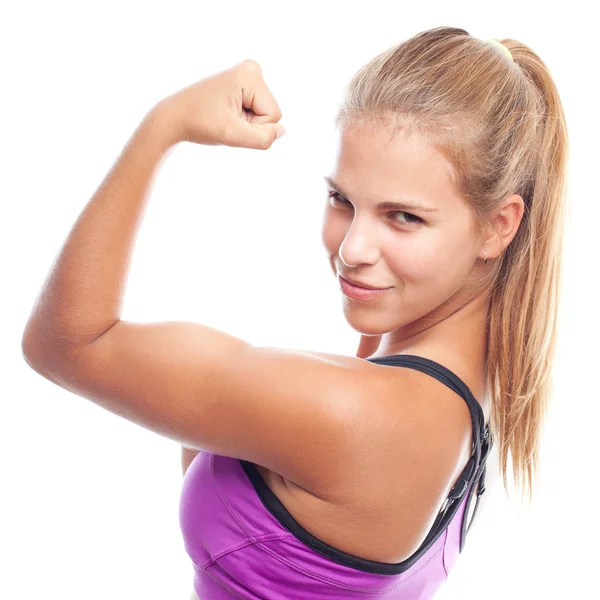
[(360, 294), (360, 285)]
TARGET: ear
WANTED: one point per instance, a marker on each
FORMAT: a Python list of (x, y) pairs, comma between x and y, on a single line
[(505, 225)]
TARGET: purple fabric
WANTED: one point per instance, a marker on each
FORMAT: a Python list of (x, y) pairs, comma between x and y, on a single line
[(240, 550)]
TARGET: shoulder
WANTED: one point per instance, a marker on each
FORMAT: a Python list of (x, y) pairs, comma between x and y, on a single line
[(412, 423), (409, 438), (403, 457)]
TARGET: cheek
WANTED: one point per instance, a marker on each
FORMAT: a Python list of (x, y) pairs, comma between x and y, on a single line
[(333, 232), (437, 261), (415, 258)]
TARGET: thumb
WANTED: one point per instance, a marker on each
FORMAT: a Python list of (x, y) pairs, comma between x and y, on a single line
[(272, 132), (258, 135)]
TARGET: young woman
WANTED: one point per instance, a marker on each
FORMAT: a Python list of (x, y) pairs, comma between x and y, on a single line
[(312, 475)]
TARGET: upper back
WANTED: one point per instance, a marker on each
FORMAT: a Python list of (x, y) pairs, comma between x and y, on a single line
[(399, 518), (395, 490)]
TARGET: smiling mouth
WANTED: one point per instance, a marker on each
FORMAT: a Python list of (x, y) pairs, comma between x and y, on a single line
[(361, 285)]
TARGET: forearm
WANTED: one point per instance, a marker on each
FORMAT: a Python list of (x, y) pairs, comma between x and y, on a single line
[(83, 292)]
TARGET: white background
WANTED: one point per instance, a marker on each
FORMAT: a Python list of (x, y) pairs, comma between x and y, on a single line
[(90, 502)]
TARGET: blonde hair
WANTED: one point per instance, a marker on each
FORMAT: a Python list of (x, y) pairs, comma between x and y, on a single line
[(500, 123)]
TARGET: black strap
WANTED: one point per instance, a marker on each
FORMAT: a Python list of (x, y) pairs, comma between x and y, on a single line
[(478, 487), (472, 477)]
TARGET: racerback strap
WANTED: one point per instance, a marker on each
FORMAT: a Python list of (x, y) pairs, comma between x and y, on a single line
[(472, 479)]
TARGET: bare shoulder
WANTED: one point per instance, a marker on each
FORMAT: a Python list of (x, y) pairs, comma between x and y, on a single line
[(412, 433), (404, 457), (416, 426)]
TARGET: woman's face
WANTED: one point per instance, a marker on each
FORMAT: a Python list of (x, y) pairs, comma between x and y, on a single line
[(425, 257)]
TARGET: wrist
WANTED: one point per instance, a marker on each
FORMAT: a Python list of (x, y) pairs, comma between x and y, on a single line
[(164, 121)]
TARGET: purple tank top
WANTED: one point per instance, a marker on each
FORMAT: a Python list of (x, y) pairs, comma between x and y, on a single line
[(245, 544)]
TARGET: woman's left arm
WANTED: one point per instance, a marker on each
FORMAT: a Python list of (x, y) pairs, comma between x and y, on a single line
[(81, 297)]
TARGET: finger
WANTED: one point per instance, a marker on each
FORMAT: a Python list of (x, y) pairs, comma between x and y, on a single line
[(254, 135), (262, 103), (257, 97)]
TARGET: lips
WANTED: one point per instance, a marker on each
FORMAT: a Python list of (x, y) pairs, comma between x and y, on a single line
[(362, 285)]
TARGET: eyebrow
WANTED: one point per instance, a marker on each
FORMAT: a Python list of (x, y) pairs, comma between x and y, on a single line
[(401, 206)]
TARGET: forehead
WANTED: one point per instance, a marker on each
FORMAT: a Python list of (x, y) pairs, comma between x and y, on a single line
[(376, 162)]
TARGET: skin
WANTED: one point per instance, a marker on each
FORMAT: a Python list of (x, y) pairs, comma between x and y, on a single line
[(435, 269)]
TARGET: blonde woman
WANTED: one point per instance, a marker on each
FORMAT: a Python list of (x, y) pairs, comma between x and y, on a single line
[(310, 475)]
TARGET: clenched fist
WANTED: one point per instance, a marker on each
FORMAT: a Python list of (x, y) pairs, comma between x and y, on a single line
[(232, 108)]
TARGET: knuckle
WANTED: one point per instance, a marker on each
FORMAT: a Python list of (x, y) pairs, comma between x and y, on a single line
[(251, 64)]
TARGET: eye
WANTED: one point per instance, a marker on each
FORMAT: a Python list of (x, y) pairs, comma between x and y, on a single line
[(412, 221)]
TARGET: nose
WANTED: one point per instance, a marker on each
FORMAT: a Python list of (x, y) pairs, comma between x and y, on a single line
[(359, 246)]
